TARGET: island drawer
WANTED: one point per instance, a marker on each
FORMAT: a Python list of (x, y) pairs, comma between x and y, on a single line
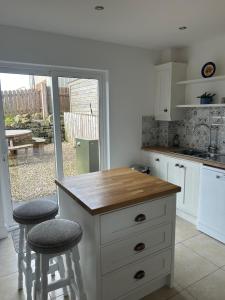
[(125, 279), (124, 222), (140, 245)]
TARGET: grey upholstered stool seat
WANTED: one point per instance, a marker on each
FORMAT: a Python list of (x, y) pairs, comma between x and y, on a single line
[(35, 212), (28, 215), (54, 236), (57, 238)]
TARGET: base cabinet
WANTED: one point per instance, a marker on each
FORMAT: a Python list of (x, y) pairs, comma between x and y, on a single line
[(120, 259), (183, 173)]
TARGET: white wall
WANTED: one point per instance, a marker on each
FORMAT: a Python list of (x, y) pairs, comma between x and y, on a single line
[(202, 52), (130, 78)]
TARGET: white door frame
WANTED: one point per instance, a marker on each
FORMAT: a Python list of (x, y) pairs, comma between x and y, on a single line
[(55, 72)]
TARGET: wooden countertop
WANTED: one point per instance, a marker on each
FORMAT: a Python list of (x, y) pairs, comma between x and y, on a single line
[(171, 152), (104, 191)]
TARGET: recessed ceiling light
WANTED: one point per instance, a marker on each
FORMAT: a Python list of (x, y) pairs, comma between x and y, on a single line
[(182, 27), (99, 7)]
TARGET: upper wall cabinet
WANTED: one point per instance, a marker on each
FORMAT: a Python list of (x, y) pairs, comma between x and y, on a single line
[(168, 93)]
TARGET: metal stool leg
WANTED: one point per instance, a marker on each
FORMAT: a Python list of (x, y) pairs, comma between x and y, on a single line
[(21, 257)]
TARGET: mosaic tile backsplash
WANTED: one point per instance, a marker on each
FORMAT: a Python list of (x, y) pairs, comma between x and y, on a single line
[(193, 131)]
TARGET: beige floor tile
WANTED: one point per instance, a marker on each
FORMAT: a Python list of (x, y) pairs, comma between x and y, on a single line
[(184, 295), (211, 287), (209, 248), (184, 230), (8, 288), (163, 293), (190, 267)]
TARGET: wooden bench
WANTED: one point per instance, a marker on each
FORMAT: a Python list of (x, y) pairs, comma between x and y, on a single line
[(13, 149), (38, 145)]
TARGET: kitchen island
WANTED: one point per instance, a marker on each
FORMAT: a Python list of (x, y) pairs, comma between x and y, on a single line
[(128, 221)]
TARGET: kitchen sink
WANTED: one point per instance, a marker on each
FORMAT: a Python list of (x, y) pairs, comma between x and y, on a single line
[(192, 152), (202, 154)]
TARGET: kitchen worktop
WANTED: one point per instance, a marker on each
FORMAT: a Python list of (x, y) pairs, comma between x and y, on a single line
[(172, 151), (103, 191)]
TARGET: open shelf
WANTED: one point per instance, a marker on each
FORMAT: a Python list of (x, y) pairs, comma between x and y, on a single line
[(200, 105), (200, 80)]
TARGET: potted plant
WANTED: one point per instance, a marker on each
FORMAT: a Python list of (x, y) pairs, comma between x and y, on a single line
[(206, 98)]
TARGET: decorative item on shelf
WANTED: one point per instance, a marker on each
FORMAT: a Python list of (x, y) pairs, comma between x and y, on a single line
[(208, 70), (206, 98)]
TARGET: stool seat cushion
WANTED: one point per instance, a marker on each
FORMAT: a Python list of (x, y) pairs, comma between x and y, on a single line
[(54, 236), (35, 212)]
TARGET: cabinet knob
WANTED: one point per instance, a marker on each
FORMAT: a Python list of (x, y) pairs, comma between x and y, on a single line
[(217, 176), (157, 159), (140, 218), (139, 275), (177, 165), (139, 247), (165, 110), (182, 166)]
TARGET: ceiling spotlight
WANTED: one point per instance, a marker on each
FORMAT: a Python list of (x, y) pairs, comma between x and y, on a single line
[(182, 27), (99, 7)]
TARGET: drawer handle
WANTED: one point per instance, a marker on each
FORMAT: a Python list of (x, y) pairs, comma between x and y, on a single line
[(139, 275), (177, 165), (157, 159), (139, 247), (140, 218)]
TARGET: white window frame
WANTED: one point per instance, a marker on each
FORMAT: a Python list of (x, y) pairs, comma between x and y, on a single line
[(55, 72)]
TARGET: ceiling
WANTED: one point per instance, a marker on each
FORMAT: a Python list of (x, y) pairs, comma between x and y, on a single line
[(144, 23)]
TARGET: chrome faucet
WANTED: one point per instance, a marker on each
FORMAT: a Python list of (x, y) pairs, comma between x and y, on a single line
[(211, 148)]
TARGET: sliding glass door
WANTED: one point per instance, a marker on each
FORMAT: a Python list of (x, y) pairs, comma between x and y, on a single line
[(27, 139), (49, 128)]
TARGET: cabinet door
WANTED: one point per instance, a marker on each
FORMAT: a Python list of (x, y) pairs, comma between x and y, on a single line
[(159, 166), (163, 94), (176, 175), (192, 182)]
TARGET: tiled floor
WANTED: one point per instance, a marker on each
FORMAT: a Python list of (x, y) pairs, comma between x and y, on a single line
[(199, 269)]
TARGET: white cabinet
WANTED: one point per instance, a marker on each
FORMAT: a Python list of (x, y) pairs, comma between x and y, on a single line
[(182, 172), (158, 165), (168, 93), (176, 175), (186, 174)]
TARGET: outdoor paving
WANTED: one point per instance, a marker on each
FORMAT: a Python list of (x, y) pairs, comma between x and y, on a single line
[(33, 176)]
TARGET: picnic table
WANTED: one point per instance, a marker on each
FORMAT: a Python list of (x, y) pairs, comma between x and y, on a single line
[(18, 135)]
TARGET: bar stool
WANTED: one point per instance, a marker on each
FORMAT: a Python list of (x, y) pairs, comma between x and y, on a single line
[(28, 215), (55, 238)]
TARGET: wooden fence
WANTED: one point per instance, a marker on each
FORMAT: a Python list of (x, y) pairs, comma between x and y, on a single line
[(80, 126), (33, 101), (21, 102)]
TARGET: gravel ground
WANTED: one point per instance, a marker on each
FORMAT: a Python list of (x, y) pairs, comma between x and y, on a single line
[(33, 177)]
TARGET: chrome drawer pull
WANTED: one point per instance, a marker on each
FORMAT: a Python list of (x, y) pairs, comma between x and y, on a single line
[(139, 275), (140, 218), (139, 247)]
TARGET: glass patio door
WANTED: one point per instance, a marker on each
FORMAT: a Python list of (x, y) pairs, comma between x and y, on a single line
[(27, 143)]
